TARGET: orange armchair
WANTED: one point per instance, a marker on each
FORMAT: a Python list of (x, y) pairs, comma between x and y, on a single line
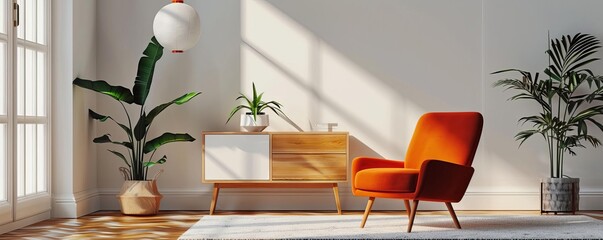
[(437, 166)]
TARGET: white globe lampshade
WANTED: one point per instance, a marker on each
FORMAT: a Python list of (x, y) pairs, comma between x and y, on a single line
[(177, 26)]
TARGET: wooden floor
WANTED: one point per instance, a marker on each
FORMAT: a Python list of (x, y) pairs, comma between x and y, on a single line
[(171, 224)]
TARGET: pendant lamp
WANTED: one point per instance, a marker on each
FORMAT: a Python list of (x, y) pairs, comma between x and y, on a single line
[(177, 26)]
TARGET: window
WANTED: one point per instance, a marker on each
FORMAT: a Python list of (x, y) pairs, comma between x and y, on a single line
[(31, 99), (3, 105), (24, 105)]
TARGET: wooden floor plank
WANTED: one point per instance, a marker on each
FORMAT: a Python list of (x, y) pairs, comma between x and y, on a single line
[(171, 224), (111, 225)]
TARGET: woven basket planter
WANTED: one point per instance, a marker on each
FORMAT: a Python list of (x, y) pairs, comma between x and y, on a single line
[(139, 198), (559, 195)]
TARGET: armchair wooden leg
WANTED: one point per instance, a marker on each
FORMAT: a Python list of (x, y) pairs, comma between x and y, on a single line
[(407, 205), (453, 215), (369, 205), (413, 212)]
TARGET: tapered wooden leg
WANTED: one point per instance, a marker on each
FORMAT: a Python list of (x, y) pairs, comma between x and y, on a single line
[(369, 205), (407, 205), (336, 193), (413, 212), (453, 215), (214, 199)]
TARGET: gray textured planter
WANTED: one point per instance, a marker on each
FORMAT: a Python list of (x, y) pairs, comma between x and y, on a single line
[(559, 195)]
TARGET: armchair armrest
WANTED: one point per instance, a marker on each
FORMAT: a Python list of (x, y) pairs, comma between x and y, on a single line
[(443, 181), (361, 163)]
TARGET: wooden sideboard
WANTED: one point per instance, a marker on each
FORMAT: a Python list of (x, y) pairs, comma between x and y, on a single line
[(275, 160)]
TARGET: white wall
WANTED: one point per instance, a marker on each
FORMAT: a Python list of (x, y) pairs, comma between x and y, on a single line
[(74, 157), (372, 66), (520, 42), (63, 204), (84, 66)]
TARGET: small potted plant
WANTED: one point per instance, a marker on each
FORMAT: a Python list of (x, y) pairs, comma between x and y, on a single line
[(571, 99), (255, 120), (139, 195)]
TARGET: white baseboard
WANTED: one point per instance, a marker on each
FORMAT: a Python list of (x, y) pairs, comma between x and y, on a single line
[(24, 222), (64, 207), (262, 199), (76, 205), (87, 201), (592, 200)]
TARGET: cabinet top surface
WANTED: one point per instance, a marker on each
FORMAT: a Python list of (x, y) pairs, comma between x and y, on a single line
[(268, 133)]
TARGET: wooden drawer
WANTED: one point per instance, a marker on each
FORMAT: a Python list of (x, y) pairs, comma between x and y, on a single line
[(310, 143), (325, 167)]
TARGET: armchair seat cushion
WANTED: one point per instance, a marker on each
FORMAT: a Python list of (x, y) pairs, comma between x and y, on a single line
[(399, 180)]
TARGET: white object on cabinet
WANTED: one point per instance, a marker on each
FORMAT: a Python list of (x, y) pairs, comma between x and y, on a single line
[(237, 157)]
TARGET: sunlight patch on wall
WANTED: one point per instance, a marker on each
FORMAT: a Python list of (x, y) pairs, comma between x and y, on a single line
[(318, 84), (364, 105), (277, 36), (276, 85)]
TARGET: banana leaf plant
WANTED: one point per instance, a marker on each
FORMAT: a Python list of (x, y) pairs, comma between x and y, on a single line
[(140, 150), (570, 97)]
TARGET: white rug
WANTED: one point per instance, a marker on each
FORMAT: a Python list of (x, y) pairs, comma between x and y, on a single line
[(394, 226)]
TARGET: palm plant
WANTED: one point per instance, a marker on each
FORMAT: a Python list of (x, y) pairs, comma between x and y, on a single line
[(570, 97), (256, 106), (137, 144)]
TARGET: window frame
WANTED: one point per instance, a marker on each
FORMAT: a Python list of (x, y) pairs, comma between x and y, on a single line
[(29, 205)]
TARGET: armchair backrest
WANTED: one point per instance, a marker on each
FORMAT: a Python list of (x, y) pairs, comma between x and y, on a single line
[(446, 136)]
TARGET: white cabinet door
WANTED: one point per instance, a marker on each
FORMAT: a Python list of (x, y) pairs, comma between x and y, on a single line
[(237, 157)]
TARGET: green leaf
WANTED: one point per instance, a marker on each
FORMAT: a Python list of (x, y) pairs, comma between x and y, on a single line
[(524, 135), (120, 156), (551, 74), (582, 128), (255, 94), (235, 110), (149, 164), (179, 101), (249, 106), (257, 102), (146, 69), (592, 140), (577, 65), (242, 96), (277, 111), (140, 129), (599, 125), (103, 118), (508, 70), (160, 161), (587, 113), (165, 139), (105, 139), (102, 139), (118, 93), (97, 116), (125, 128)]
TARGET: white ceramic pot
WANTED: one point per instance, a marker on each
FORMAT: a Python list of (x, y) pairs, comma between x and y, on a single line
[(251, 125)]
